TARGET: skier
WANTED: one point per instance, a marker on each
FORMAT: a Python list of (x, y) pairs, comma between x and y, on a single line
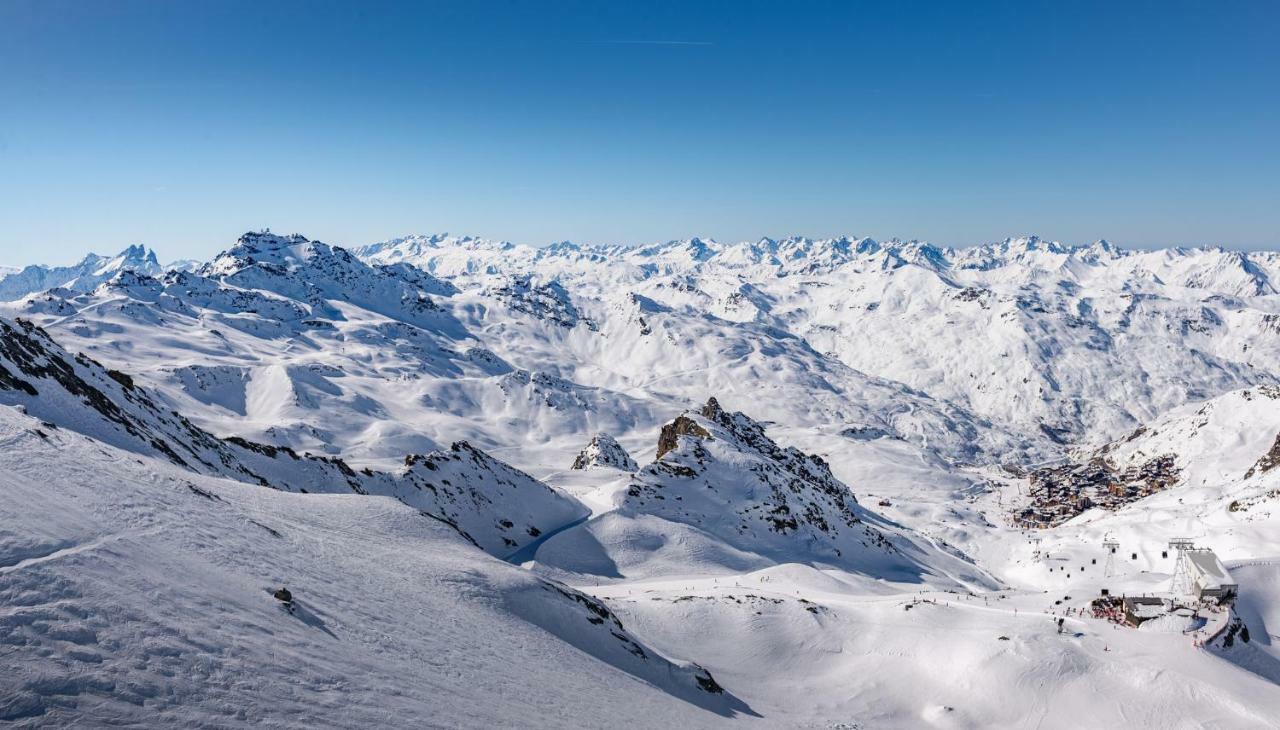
[(284, 596)]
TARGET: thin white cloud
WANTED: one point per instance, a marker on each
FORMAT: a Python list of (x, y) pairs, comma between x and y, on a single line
[(655, 43)]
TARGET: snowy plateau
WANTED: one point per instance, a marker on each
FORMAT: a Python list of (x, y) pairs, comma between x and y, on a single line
[(444, 481)]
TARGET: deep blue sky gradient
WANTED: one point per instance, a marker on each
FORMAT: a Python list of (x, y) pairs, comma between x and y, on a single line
[(182, 124)]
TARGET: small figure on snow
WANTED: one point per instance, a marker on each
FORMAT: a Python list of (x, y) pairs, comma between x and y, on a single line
[(284, 596)]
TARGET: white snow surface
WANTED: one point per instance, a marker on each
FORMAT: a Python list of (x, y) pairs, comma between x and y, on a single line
[(139, 594), (832, 543)]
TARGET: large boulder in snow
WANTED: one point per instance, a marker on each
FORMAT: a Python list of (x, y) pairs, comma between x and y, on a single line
[(604, 451)]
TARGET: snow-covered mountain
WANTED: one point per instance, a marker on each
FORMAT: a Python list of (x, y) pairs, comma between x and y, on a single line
[(91, 271), (722, 498), (1064, 343), (294, 342), (604, 451), (913, 459), (493, 505)]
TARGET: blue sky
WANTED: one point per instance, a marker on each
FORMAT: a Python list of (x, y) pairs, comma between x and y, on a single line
[(181, 124)]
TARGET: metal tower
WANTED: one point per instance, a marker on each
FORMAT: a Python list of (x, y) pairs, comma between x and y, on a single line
[(1181, 585), (1111, 546)]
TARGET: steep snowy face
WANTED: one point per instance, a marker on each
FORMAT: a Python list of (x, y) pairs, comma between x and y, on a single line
[(324, 276), (137, 258), (81, 277), (498, 508), (604, 451), (78, 393)]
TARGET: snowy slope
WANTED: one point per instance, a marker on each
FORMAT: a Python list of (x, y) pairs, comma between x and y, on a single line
[(497, 507), (137, 593), (326, 354), (944, 388)]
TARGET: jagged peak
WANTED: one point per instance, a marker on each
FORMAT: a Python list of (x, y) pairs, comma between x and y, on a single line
[(711, 409), (604, 451)]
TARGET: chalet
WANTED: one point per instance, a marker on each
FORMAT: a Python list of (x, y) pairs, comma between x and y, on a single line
[(1142, 608)]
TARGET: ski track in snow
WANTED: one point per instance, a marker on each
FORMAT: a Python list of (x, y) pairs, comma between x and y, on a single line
[(72, 550)]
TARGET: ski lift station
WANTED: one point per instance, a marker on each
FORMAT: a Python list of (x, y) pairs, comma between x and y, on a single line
[(1208, 576)]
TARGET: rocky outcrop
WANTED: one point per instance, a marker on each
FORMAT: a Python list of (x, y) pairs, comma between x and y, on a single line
[(669, 437), (604, 451), (550, 302), (1268, 461), (728, 478)]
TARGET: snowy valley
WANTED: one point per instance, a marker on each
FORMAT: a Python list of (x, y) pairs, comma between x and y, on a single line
[(837, 483)]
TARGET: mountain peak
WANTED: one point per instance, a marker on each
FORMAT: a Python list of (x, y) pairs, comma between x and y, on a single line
[(605, 451)]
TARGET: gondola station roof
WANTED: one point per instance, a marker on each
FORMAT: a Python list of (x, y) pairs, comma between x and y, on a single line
[(1208, 571)]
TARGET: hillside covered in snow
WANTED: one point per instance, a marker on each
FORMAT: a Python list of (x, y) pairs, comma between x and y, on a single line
[(772, 483)]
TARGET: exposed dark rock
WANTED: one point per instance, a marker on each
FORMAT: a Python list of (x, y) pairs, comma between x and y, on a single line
[(604, 451), (1268, 461), (121, 378), (550, 302), (668, 438)]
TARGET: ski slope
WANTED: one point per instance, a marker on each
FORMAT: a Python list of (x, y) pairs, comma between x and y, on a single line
[(136, 593), (491, 476)]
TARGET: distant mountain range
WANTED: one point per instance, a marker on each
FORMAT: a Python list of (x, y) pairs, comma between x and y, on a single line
[(778, 480)]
